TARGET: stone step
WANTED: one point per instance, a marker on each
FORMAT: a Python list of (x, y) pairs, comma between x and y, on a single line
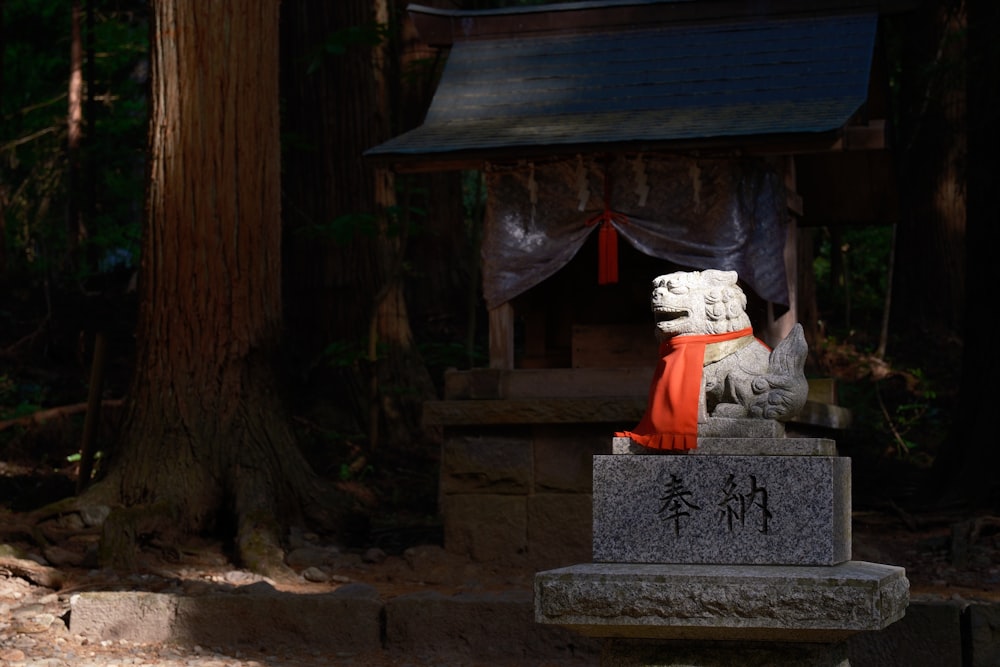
[(473, 626)]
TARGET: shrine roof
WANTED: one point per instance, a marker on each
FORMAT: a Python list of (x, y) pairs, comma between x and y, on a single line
[(640, 75)]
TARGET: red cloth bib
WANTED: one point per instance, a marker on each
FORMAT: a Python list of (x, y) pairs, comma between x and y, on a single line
[(671, 418)]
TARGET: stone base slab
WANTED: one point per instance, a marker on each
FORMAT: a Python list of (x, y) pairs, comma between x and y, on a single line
[(718, 602), (723, 427), (737, 446), (722, 510)]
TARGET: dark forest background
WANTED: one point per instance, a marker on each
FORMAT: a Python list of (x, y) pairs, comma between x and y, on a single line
[(380, 290)]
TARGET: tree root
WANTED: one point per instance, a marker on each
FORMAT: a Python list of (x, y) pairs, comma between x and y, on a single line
[(260, 550), (125, 526), (41, 575)]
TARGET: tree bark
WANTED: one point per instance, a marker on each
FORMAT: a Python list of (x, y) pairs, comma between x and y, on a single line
[(74, 135), (205, 443), (929, 280), (966, 471)]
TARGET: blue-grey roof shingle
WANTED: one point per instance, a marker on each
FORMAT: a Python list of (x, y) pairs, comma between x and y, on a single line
[(731, 78)]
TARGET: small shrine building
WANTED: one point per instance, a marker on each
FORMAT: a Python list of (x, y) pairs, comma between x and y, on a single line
[(620, 140)]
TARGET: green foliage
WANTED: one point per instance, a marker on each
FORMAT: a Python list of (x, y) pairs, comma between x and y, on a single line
[(19, 399), (33, 114), (897, 408), (349, 227), (914, 419), (343, 354), (75, 458), (411, 216), (341, 41), (853, 298), (896, 411), (904, 423), (444, 354), (343, 229), (34, 165)]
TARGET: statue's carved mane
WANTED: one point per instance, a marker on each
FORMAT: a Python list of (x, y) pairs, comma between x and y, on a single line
[(714, 300)]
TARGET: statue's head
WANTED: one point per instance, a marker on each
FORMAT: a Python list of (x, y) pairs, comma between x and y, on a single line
[(698, 302)]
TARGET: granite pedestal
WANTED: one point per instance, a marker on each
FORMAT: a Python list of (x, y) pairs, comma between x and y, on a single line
[(735, 553), (751, 510)]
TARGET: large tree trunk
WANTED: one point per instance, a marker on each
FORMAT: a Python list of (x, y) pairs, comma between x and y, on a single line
[(205, 441), (929, 281), (930, 265), (74, 135), (967, 469)]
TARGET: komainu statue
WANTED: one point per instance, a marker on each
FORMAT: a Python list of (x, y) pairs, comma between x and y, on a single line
[(711, 365)]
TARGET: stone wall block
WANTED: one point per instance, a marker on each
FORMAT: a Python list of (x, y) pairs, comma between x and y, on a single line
[(984, 634), (559, 529), (487, 464), (485, 527), (928, 634), (564, 458)]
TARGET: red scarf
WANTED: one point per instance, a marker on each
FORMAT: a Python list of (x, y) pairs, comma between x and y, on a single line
[(671, 419)]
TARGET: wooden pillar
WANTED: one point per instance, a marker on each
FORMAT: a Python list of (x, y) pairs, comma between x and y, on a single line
[(502, 337), (778, 327)]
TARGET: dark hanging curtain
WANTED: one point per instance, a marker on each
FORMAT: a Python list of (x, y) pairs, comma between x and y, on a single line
[(702, 213)]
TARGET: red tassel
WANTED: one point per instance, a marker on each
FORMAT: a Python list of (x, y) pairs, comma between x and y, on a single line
[(607, 250), (607, 242)]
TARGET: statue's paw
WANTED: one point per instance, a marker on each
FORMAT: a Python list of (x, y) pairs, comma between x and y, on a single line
[(730, 411), (784, 403)]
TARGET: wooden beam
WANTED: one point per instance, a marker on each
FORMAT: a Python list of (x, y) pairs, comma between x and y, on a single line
[(535, 411), (870, 137), (864, 137), (532, 383)]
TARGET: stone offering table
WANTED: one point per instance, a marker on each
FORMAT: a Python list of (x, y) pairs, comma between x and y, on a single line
[(734, 553)]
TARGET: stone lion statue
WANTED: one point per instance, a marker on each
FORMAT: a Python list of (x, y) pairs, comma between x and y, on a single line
[(711, 364)]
